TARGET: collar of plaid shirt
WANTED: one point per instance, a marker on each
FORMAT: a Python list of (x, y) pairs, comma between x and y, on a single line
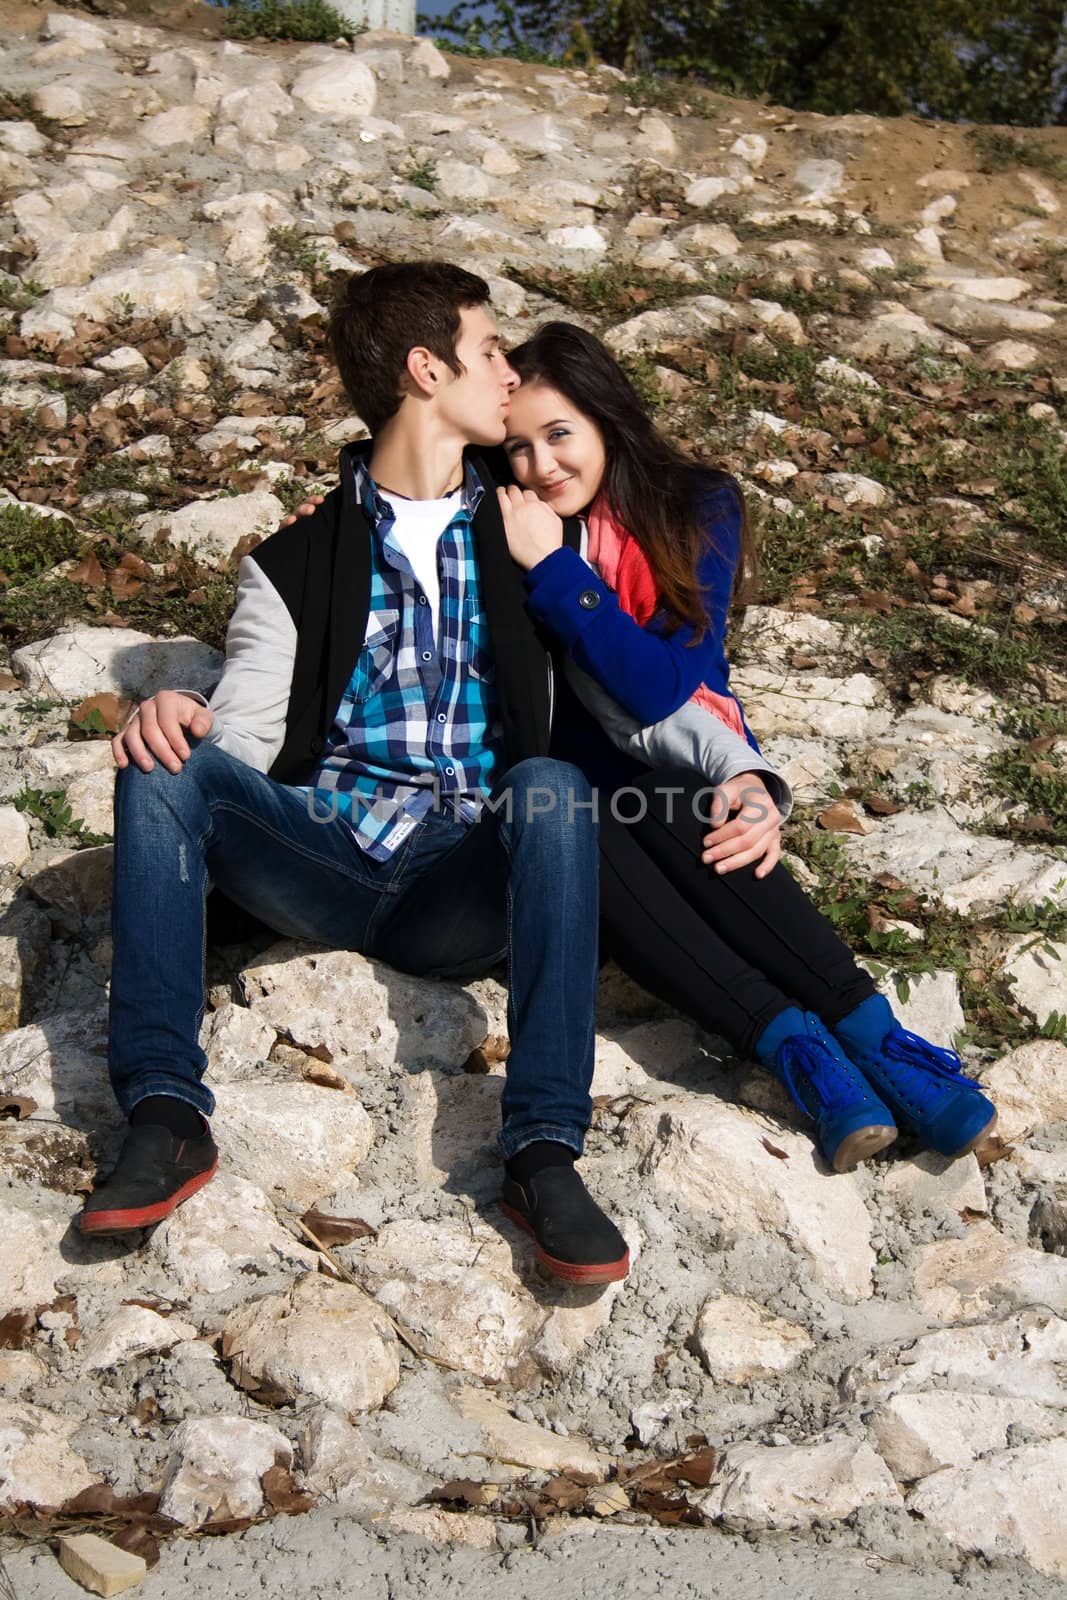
[(417, 725)]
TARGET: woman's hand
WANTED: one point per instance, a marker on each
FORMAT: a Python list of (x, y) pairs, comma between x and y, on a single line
[(533, 530), (747, 827), (304, 509)]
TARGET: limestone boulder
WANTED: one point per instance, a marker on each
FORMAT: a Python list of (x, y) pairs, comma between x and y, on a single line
[(652, 330), (793, 1486), (75, 885), (320, 1338), (916, 1434), (131, 1331), (1038, 970), (15, 849), (964, 314), (121, 661), (30, 1258), (339, 1466), (215, 1468), (721, 1161), (297, 1139), (932, 1009), (225, 1234), (1022, 1355), (577, 1315), (37, 1464), (453, 1287), (369, 1017), (61, 1063), (809, 705), (450, 1128), (929, 1182), (337, 88), (212, 529), (1009, 1506), (237, 1045), (1029, 1087), (524, 1445), (163, 283), (738, 1339), (958, 1280), (896, 335)]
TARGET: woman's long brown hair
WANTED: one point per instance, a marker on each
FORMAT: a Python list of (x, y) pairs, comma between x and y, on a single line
[(650, 486)]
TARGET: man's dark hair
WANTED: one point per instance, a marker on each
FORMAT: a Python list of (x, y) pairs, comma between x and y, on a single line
[(380, 315)]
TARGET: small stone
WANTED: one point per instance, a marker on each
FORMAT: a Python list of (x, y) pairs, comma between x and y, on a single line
[(820, 180), (226, 1233), (588, 239), (917, 1434), (295, 1138), (1009, 355), (751, 148), (98, 1565), (125, 362), (656, 138), (320, 1338), (427, 58), (738, 1339), (131, 1331), (792, 1486), (14, 838), (211, 529), (853, 488), (215, 1469), (37, 1465), (1029, 1088), (1009, 1507), (340, 89), (960, 1279)]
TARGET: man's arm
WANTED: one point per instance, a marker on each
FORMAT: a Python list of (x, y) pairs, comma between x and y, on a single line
[(248, 707)]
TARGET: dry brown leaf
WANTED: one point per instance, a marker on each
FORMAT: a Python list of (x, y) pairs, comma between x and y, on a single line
[(337, 1230), (111, 711), (882, 806), (17, 1107), (841, 818), (88, 571), (465, 1492), (992, 1149), (774, 1150), (282, 1494), (17, 1330), (565, 1494), (137, 1541)]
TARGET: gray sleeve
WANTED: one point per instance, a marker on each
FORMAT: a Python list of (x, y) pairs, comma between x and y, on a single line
[(252, 696), (690, 737)]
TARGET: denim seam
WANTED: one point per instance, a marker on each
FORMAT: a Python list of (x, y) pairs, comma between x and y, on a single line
[(299, 850)]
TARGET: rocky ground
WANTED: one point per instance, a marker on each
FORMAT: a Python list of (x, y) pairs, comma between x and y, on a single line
[(338, 1358)]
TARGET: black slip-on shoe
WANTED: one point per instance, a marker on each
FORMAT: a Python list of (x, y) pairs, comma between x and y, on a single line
[(155, 1172), (575, 1241)]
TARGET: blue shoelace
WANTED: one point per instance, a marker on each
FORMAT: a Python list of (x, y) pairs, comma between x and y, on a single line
[(806, 1053), (911, 1050)]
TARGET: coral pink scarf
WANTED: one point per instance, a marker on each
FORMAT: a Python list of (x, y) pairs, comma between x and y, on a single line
[(624, 567)]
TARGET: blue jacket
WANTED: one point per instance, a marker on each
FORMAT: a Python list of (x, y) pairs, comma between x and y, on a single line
[(648, 671)]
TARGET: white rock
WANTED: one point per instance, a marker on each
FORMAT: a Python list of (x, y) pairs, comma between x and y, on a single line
[(84, 661), (499, 162), (60, 101), (20, 1370), (895, 335), (853, 488), (37, 1464), (917, 1434), (341, 88), (124, 362), (1038, 969), (1009, 355), (450, 1124), (245, 221), (705, 191), (962, 313), (524, 1444), (932, 1008), (162, 283), (131, 1331), (459, 180), (1010, 1506), (238, 1043), (294, 1138), (61, 25), (1022, 1355), (751, 148), (929, 1182), (712, 1158), (575, 1317), (820, 180), (427, 58), (368, 1016), (840, 372), (212, 529), (589, 239), (654, 329), (74, 259), (811, 706), (655, 138), (874, 259), (25, 940), (738, 1339), (215, 1466), (23, 139), (321, 1338), (961, 1279), (1029, 1087), (338, 1465), (223, 1232), (14, 838), (453, 1286), (179, 125), (792, 1486), (30, 1259)]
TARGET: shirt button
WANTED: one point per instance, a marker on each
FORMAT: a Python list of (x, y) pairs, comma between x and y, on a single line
[(588, 599), (450, 772), (426, 656), (441, 717), (423, 600)]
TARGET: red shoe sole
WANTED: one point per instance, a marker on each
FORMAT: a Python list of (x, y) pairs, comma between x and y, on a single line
[(571, 1271), (143, 1216)]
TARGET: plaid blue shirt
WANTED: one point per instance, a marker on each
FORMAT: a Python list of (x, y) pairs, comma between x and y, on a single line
[(417, 724)]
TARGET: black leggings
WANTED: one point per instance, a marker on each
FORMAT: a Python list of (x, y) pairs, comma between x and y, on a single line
[(729, 950)]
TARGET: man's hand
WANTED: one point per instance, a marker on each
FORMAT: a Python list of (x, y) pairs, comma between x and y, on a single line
[(533, 530), (304, 509), (157, 729), (747, 826)]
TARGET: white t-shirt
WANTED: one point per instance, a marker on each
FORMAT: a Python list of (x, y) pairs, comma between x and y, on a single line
[(417, 530)]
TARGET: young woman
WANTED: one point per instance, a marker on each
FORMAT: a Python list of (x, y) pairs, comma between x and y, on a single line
[(707, 920)]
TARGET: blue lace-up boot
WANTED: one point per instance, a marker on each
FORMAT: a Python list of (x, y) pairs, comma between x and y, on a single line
[(924, 1084), (851, 1123)]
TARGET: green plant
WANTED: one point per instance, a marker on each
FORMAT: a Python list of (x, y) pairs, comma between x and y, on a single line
[(998, 149), (309, 20), (51, 809), (420, 174), (661, 93), (604, 293), (924, 642), (18, 293), (31, 544), (292, 250)]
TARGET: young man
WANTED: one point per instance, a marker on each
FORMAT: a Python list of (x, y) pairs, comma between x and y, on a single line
[(382, 676)]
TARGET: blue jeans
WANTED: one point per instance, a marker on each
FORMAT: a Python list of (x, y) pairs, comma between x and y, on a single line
[(452, 901)]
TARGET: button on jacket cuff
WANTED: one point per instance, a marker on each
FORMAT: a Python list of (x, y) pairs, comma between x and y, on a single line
[(567, 594)]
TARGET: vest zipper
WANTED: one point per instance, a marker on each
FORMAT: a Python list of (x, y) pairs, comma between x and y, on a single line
[(551, 691)]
